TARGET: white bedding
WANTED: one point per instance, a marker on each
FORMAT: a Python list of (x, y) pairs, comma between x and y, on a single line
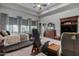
[(45, 39)]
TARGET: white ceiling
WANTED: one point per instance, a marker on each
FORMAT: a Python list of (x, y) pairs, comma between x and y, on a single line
[(31, 5), (52, 8)]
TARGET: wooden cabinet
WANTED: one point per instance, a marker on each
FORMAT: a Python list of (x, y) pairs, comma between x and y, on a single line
[(69, 24), (50, 34)]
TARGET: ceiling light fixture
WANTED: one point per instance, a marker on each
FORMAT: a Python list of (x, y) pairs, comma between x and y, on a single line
[(40, 5)]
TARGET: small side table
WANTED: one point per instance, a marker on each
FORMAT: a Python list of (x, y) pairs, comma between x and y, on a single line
[(54, 49)]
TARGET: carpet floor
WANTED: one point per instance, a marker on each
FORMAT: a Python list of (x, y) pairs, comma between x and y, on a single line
[(23, 52)]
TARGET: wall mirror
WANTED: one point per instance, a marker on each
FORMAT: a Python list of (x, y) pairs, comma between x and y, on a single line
[(51, 26)]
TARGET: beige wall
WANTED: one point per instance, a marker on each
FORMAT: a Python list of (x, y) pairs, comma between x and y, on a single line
[(55, 18)]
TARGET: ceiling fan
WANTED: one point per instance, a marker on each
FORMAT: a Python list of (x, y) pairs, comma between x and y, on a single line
[(40, 5)]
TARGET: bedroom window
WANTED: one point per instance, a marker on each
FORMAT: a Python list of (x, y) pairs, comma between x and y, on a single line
[(34, 24), (24, 26), (24, 29), (15, 28), (12, 25), (9, 28)]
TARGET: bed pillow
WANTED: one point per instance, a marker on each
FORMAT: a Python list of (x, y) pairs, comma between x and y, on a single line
[(3, 33), (8, 32)]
